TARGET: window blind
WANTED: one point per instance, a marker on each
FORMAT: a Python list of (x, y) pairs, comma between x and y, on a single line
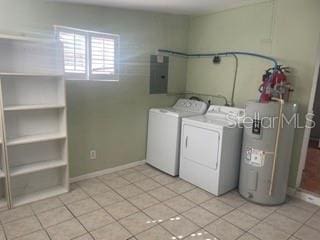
[(74, 48), (102, 55), (89, 55)]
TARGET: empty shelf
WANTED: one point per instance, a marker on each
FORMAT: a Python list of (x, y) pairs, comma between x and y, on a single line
[(35, 167), (48, 74), (35, 138), (32, 107), (36, 196)]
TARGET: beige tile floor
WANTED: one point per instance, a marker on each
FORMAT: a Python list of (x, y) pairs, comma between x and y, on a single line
[(142, 203)]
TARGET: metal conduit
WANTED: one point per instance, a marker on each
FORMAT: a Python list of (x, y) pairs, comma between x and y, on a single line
[(234, 54), (273, 60)]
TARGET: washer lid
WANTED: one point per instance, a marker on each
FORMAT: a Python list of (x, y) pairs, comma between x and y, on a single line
[(229, 113), (173, 112), (216, 121), (183, 108)]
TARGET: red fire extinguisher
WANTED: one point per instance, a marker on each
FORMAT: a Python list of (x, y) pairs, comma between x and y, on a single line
[(275, 84)]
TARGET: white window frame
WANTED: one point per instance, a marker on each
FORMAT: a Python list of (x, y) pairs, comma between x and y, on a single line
[(88, 74)]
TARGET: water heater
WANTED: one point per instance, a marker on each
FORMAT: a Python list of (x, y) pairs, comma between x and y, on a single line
[(266, 151)]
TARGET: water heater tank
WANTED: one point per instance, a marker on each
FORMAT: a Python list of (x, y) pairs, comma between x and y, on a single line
[(264, 177)]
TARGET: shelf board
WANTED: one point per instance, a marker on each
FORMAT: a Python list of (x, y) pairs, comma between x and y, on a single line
[(33, 107), (36, 167), (26, 38), (37, 196), (35, 138), (2, 175), (31, 74)]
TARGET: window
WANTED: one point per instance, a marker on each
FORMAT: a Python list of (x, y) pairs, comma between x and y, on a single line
[(89, 55), (75, 54)]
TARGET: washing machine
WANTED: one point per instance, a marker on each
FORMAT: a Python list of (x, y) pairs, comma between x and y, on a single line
[(211, 149), (164, 124)]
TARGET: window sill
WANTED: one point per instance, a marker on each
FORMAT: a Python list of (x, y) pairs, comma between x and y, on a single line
[(92, 80)]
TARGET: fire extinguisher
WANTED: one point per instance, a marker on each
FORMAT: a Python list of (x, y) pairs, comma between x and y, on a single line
[(275, 84), (266, 86), (282, 87)]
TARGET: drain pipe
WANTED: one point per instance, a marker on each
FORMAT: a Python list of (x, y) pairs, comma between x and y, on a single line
[(275, 156)]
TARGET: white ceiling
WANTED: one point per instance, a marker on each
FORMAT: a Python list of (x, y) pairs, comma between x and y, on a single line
[(187, 7)]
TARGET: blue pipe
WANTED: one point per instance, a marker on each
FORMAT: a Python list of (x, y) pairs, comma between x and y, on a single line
[(275, 62)]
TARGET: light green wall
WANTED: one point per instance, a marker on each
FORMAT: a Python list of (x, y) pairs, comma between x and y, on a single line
[(110, 117), (243, 29), (286, 29)]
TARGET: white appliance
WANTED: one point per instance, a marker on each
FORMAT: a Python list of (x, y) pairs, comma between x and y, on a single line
[(211, 149), (164, 133)]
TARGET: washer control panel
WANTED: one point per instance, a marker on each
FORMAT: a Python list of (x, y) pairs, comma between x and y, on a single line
[(190, 106)]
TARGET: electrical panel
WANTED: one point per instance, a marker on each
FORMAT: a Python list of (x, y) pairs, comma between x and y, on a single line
[(159, 71)]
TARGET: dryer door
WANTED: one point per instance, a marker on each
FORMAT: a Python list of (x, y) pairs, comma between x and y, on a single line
[(201, 145)]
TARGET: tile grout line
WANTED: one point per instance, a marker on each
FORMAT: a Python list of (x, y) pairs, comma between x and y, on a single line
[(178, 214), (196, 205), (303, 225), (76, 218), (142, 210), (4, 232), (312, 214), (43, 228), (181, 214), (30, 216), (126, 199), (221, 217), (90, 196), (115, 220)]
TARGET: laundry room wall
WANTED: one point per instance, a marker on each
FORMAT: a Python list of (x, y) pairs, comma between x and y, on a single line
[(109, 117), (286, 29)]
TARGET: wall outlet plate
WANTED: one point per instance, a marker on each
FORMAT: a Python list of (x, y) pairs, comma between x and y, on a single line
[(93, 155)]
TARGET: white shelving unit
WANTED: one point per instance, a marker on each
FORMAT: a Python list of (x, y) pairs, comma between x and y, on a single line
[(34, 146), (35, 136), (4, 191), (3, 184)]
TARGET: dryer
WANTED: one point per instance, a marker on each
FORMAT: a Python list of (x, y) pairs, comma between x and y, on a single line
[(211, 149), (164, 124)]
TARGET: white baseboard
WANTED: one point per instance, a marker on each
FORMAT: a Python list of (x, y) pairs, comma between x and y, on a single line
[(307, 197), (291, 192), (106, 171)]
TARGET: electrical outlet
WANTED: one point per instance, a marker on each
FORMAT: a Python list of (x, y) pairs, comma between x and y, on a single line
[(93, 155)]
